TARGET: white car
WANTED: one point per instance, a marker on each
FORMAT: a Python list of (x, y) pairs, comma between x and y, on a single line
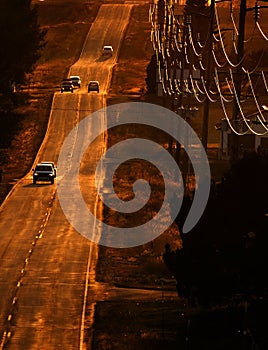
[(76, 80), (107, 50)]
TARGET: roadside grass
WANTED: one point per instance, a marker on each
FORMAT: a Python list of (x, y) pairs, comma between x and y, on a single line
[(137, 325), (163, 324), (140, 266)]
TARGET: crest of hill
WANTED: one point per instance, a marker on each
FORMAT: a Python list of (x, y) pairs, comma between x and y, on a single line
[(235, 3)]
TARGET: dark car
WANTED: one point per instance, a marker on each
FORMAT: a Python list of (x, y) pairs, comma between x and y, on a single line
[(44, 172), (93, 86), (67, 85)]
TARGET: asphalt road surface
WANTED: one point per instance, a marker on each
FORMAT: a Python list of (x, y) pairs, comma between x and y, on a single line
[(46, 267)]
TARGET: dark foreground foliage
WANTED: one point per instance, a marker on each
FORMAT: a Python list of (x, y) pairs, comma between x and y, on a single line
[(225, 254), (21, 40)]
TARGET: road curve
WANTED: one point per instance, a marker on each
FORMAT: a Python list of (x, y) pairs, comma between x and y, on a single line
[(46, 267)]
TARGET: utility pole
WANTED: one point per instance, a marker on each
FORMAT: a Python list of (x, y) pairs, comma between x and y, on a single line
[(238, 77), (208, 78)]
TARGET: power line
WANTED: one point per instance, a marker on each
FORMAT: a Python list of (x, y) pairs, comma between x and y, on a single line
[(179, 48)]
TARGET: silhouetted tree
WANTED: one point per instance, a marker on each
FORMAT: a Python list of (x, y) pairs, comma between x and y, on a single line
[(151, 75), (21, 40), (225, 253)]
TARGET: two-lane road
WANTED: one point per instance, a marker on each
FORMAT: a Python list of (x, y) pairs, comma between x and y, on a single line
[(46, 267)]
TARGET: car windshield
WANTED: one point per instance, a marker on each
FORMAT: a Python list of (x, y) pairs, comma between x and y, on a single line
[(49, 163), (43, 168)]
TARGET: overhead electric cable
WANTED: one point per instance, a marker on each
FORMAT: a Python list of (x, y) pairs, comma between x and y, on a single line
[(241, 111), (216, 60), (257, 104), (260, 30), (264, 80), (205, 89), (223, 46), (194, 91), (192, 42)]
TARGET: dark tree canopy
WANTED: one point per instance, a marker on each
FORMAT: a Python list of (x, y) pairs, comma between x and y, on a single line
[(21, 40), (225, 254)]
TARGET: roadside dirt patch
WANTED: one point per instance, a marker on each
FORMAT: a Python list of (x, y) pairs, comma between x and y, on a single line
[(139, 325)]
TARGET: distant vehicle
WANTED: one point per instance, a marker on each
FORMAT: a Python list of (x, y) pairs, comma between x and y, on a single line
[(93, 86), (107, 50), (44, 172), (53, 165), (76, 80), (67, 85)]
